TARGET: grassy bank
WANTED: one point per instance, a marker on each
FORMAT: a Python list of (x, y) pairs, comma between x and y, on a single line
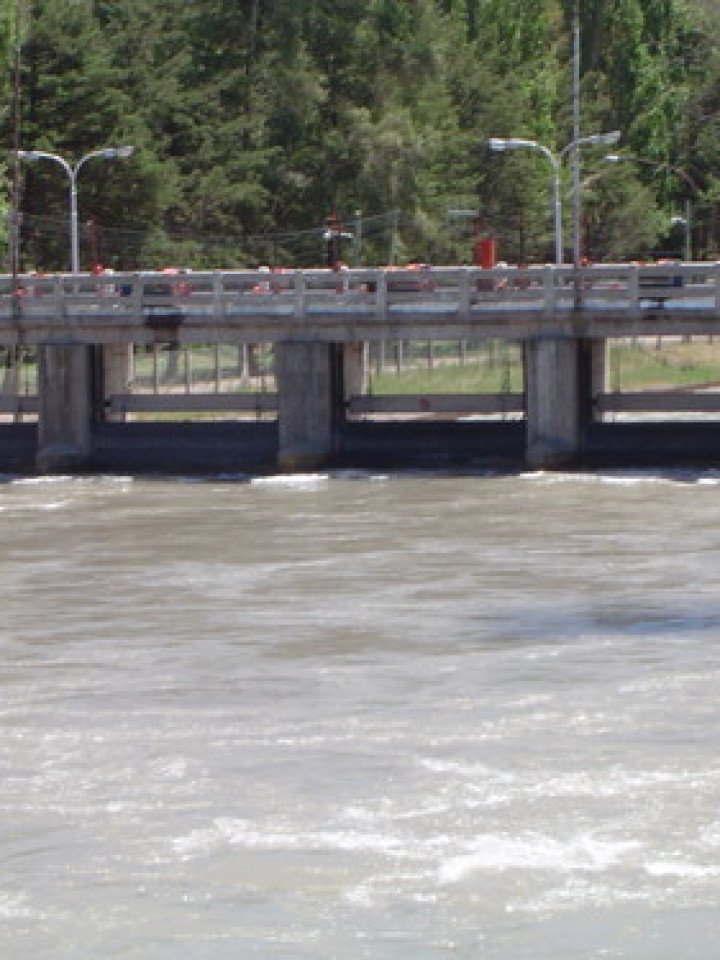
[(667, 364), (644, 364), (470, 378)]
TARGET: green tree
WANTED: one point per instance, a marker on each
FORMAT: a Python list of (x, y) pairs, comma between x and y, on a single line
[(74, 101), (251, 117), (10, 27)]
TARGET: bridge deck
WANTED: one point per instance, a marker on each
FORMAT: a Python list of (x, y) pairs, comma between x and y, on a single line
[(350, 305)]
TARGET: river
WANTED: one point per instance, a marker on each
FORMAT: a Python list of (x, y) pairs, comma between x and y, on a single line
[(393, 717)]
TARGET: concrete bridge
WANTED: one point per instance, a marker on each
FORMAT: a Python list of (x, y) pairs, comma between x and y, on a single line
[(319, 322)]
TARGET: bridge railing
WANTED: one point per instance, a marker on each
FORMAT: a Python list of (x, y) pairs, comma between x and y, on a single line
[(295, 295)]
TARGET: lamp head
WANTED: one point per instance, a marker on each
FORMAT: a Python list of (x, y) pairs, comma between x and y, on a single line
[(116, 153), (603, 138), (510, 143)]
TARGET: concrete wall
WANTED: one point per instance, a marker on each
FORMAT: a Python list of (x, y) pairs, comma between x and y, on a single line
[(306, 405), (552, 402), (65, 411)]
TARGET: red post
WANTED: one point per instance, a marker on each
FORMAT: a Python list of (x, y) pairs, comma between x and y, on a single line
[(485, 253)]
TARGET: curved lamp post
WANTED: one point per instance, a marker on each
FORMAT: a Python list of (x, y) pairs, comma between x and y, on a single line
[(687, 219), (555, 160), (72, 171)]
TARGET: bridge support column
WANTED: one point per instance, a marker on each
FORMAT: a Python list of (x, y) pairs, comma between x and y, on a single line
[(552, 380), (65, 399), (117, 374), (355, 369), (309, 403)]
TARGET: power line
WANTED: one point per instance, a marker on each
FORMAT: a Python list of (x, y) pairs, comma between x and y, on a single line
[(59, 225), (122, 245)]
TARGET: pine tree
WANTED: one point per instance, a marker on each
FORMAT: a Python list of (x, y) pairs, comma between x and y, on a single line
[(255, 116)]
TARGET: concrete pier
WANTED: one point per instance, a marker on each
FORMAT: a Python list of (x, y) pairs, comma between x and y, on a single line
[(552, 402), (315, 382), (65, 407), (307, 403)]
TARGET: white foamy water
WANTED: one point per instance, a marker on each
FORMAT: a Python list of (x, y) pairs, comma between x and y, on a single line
[(358, 716)]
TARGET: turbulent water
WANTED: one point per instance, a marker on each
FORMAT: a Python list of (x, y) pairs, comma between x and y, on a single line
[(357, 716)]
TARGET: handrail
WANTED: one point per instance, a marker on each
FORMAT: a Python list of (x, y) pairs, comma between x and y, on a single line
[(450, 295)]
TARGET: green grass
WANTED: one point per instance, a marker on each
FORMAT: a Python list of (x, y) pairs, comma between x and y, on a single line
[(674, 365), (631, 367), (171, 368), (470, 378)]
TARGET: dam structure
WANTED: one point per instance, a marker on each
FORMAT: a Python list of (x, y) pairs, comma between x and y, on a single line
[(85, 332)]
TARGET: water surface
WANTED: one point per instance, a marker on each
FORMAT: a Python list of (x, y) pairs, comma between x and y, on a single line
[(360, 716)]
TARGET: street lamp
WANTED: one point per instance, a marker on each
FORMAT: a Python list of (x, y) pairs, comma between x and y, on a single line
[(687, 220), (685, 223), (72, 171), (555, 160)]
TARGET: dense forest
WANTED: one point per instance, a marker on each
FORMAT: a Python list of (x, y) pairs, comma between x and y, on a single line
[(253, 120)]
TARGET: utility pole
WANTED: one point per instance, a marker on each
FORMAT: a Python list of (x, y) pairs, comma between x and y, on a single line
[(15, 198), (357, 244), (394, 224), (576, 133)]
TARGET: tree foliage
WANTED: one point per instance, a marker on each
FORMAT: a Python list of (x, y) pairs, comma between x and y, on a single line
[(253, 120)]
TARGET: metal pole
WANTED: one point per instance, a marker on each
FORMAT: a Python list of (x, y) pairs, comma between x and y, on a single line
[(576, 135), (688, 230), (74, 235), (15, 196), (393, 238), (358, 237), (557, 204), (556, 165)]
